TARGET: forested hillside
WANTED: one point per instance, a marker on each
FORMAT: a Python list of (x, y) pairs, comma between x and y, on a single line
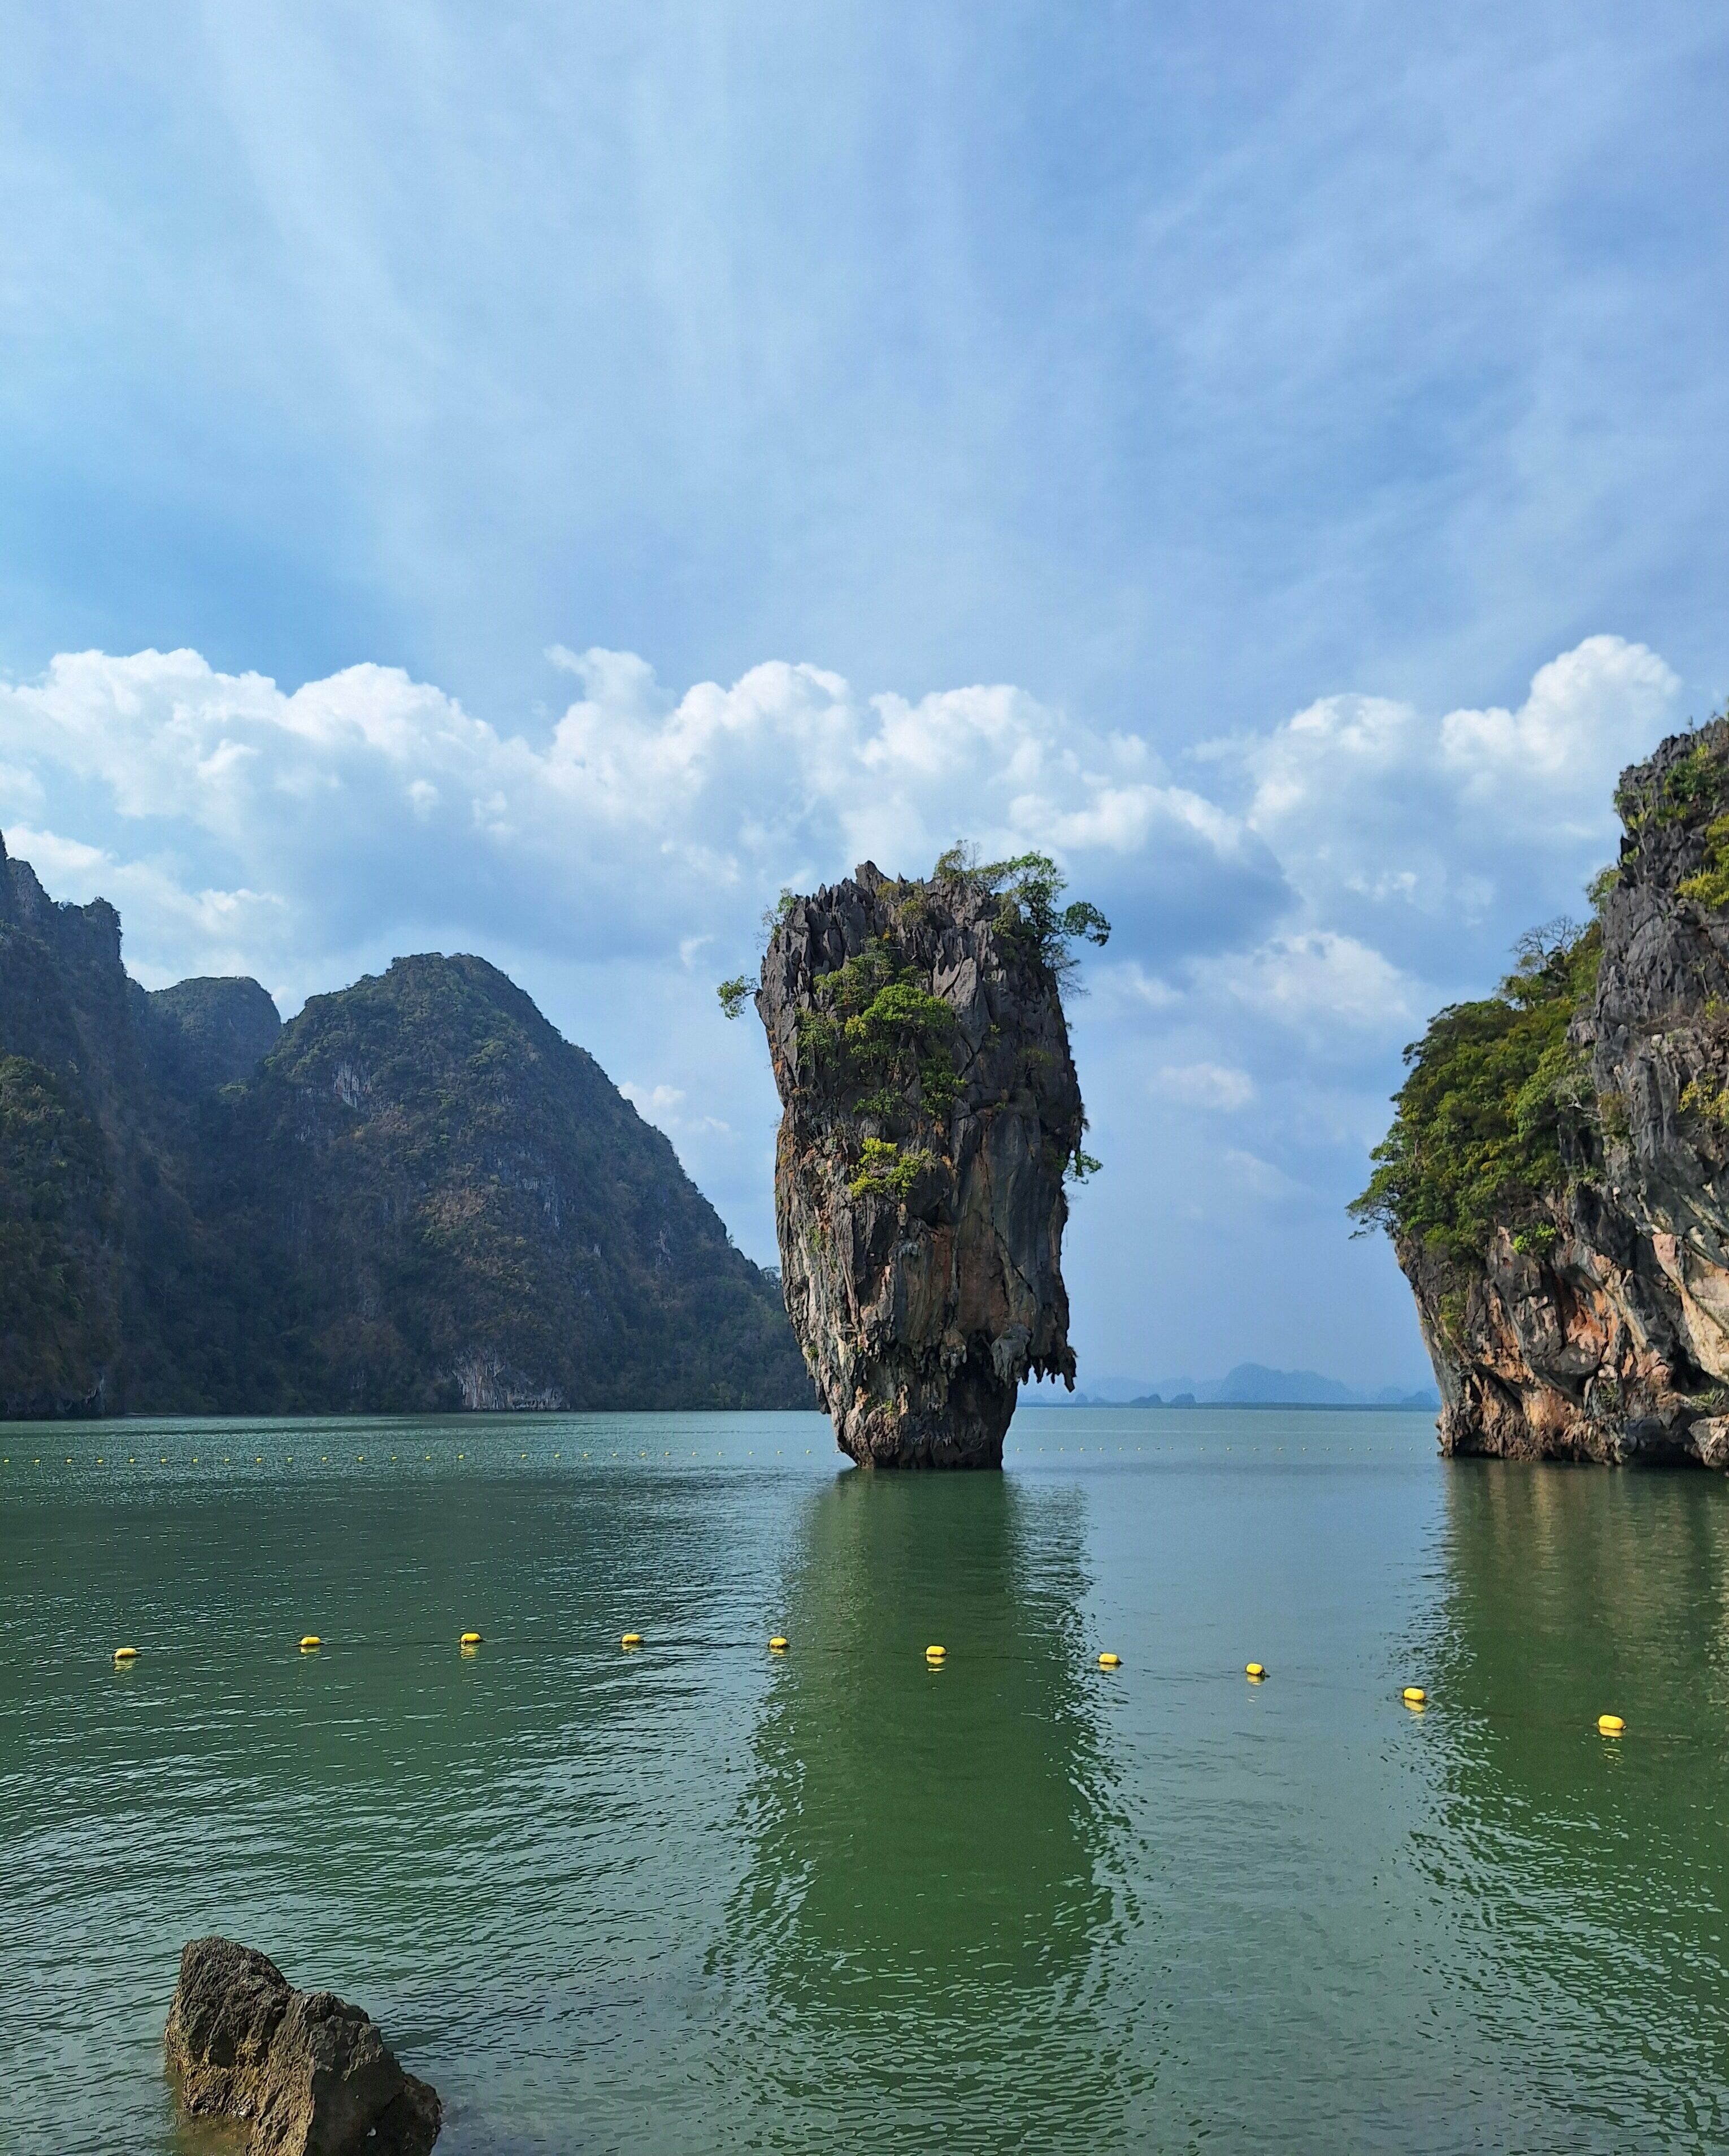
[(416, 1196)]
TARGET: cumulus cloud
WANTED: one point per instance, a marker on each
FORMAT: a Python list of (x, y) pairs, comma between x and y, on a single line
[(652, 1102), (369, 803), (1370, 803), (1589, 711), (1285, 914)]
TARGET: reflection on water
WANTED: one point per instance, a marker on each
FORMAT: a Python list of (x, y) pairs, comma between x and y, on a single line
[(701, 1897), (1586, 1878), (927, 1938)]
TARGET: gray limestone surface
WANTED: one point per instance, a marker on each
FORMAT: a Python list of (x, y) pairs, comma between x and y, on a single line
[(929, 1111)]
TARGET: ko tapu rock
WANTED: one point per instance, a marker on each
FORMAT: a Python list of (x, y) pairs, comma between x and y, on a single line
[(1556, 1179), (931, 1115), (302, 2072)]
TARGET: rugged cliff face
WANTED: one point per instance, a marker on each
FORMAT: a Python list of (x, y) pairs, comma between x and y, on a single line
[(1557, 1181), (930, 1109), (450, 1206), (416, 1196)]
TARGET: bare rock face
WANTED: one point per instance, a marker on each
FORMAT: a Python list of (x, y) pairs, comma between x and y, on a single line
[(929, 1111), (310, 2075), (1606, 1335)]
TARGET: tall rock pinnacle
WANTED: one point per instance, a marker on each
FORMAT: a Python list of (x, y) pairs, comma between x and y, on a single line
[(930, 1110)]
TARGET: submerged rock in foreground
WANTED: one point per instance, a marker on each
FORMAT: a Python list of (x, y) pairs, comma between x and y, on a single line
[(311, 2076), (930, 1109)]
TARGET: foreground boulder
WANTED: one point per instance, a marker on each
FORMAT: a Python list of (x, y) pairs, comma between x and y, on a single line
[(930, 1113), (1556, 1179), (309, 2074)]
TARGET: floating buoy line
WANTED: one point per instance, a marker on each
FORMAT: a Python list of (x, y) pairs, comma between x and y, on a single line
[(1413, 1696)]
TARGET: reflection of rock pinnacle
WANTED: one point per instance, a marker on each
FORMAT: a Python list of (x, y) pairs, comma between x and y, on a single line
[(930, 1107)]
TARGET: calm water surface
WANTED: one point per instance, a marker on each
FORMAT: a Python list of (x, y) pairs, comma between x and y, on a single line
[(700, 1898)]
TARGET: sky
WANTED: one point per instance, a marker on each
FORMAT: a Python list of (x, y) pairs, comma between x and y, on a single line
[(538, 480)]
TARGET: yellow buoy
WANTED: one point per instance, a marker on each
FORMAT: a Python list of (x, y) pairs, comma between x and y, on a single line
[(631, 1639), (310, 1644), (778, 1645), (125, 1654), (1111, 1661), (1414, 1695), (470, 1639), (1609, 1725), (935, 1654), (1254, 1671)]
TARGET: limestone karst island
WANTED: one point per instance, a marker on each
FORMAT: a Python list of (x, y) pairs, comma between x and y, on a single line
[(1553, 1180), (863, 1079), (930, 1116)]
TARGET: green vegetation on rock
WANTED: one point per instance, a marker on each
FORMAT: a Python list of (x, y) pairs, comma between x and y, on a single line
[(1476, 1137), (875, 1029), (1709, 886), (1030, 885)]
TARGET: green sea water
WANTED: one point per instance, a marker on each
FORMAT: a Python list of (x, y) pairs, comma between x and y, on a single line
[(699, 1897)]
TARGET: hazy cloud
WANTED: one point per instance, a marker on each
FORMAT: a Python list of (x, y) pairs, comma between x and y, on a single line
[(1205, 1085)]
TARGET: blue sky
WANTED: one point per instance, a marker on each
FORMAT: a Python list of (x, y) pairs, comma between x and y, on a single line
[(655, 453)]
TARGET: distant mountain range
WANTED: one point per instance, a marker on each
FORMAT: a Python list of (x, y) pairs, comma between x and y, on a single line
[(1249, 1384), (417, 1196)]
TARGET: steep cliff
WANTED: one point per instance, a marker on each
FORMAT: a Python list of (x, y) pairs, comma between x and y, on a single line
[(100, 1249), (1555, 1178), (449, 1205), (930, 1110), (416, 1196)]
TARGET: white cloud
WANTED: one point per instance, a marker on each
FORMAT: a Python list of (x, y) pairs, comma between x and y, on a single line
[(1320, 975), (1589, 712), (1205, 1085), (1298, 915), (1127, 981), (368, 803), (654, 1101), (1369, 798)]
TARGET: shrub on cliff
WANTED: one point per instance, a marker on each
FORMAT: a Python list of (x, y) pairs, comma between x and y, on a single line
[(1476, 1136)]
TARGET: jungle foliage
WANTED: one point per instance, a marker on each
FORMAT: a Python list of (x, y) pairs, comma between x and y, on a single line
[(1029, 886), (874, 1027), (1476, 1137)]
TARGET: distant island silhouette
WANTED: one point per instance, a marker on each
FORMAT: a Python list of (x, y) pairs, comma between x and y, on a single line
[(1248, 1385)]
